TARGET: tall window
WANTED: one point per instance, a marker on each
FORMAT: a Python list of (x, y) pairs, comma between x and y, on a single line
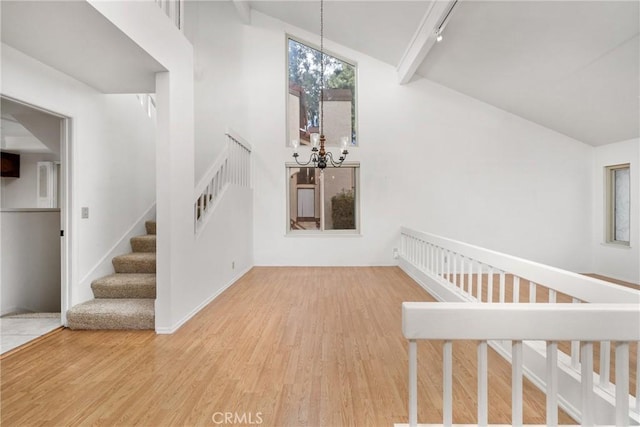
[(303, 99), (323, 202), (618, 215)]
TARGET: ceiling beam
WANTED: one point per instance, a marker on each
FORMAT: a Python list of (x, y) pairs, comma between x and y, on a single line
[(423, 39), (244, 11)]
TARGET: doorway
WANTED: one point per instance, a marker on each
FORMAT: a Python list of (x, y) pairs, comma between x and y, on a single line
[(34, 204), (306, 204)]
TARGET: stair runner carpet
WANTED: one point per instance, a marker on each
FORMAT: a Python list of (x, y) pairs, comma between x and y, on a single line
[(124, 300)]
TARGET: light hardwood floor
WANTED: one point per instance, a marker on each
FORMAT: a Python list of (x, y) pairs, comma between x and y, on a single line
[(286, 346)]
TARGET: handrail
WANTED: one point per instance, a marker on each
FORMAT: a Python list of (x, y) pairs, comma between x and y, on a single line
[(548, 322), (454, 271), (237, 138), (584, 288), (213, 169), (231, 167), (477, 321)]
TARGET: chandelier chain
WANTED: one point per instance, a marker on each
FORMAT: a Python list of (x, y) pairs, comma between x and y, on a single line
[(319, 156), (321, 67)]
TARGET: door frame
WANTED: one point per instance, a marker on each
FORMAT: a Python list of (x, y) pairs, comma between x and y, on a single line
[(66, 206), (66, 218)]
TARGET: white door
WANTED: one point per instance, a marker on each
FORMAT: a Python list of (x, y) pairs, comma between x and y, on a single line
[(306, 203)]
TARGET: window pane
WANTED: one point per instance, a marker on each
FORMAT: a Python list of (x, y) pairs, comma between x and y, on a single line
[(304, 199), (339, 199), (305, 82), (621, 206)]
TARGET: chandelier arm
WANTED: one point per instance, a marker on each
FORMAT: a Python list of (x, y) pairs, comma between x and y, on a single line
[(333, 162), (311, 159)]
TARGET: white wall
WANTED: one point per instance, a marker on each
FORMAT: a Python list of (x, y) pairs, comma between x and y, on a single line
[(22, 192), (619, 262), (222, 251), (113, 154), (30, 261), (216, 33), (45, 127), (431, 158), (188, 273)]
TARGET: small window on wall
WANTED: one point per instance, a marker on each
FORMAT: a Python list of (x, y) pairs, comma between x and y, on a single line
[(618, 197), (323, 202), (304, 81)]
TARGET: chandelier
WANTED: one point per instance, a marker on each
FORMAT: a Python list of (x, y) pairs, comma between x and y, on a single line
[(320, 157)]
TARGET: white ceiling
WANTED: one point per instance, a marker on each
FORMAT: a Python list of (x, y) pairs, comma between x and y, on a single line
[(571, 66), (15, 137), (55, 31), (381, 29)]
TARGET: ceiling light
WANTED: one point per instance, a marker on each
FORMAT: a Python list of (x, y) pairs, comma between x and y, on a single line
[(444, 22)]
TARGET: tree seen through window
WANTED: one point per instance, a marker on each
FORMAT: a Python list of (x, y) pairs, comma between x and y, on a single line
[(339, 97)]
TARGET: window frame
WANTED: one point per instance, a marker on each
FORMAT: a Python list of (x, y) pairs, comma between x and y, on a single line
[(288, 137), (610, 195), (322, 232)]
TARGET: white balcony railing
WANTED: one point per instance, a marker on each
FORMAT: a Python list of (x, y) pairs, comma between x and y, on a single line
[(232, 167), (551, 323), (454, 271)]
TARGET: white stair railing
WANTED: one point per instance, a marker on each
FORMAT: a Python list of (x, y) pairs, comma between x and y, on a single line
[(148, 103), (174, 9), (232, 167), (454, 271), (585, 323)]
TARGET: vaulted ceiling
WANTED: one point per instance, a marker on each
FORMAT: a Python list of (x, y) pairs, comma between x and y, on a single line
[(54, 32), (571, 66)]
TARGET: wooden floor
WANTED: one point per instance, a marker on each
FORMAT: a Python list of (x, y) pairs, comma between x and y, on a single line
[(635, 286), (284, 346)]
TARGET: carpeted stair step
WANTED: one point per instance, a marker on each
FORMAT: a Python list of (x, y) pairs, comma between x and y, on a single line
[(113, 314), (136, 262), (151, 227), (146, 243), (123, 285)]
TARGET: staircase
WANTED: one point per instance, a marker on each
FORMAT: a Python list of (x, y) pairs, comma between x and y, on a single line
[(124, 300)]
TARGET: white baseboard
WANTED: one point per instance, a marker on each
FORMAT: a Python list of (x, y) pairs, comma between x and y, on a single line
[(14, 309), (188, 316)]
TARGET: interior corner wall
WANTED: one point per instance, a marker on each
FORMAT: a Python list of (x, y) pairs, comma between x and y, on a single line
[(146, 25), (216, 32), (619, 262), (431, 158), (113, 156), (184, 277)]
